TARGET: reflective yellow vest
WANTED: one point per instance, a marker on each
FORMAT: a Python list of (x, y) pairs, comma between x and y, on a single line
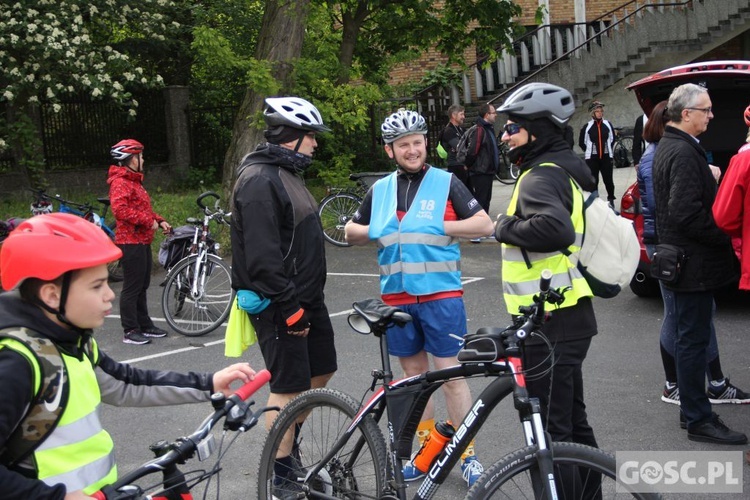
[(78, 452), (522, 268)]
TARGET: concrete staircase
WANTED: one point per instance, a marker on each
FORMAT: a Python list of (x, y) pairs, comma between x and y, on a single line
[(602, 57)]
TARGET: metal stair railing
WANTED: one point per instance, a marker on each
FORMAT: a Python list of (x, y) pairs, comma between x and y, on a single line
[(540, 49)]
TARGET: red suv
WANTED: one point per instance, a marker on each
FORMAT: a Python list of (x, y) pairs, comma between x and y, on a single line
[(728, 83)]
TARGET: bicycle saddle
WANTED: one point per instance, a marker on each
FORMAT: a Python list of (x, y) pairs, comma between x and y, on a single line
[(373, 316)]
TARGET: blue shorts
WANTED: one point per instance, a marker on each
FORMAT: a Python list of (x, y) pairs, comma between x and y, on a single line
[(438, 327)]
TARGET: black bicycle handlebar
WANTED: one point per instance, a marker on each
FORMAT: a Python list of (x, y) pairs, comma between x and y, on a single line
[(184, 448)]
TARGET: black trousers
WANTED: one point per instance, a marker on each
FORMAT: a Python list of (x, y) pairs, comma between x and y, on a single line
[(604, 166), (562, 407), (462, 173), (136, 269), (481, 185)]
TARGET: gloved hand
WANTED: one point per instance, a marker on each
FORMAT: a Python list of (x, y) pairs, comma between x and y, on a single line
[(297, 323)]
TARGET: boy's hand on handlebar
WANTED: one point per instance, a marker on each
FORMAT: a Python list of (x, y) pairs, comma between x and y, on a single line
[(238, 371), (166, 228)]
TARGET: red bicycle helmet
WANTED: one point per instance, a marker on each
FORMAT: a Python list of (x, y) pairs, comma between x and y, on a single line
[(125, 149), (746, 115), (48, 246)]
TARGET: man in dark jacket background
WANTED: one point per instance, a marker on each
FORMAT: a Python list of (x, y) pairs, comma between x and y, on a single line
[(278, 254), (449, 140), (685, 189)]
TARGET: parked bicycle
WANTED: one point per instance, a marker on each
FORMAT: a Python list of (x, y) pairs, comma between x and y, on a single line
[(43, 204), (237, 417), (509, 172), (336, 209), (339, 450), (198, 295), (623, 147)]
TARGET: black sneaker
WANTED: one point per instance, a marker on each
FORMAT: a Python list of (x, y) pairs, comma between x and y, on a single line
[(154, 332), (727, 393), (671, 395), (134, 337), (715, 431)]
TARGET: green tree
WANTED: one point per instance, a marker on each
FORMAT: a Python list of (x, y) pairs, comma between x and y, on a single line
[(50, 49), (374, 33)]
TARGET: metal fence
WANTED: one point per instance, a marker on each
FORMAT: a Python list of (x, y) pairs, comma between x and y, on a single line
[(81, 132)]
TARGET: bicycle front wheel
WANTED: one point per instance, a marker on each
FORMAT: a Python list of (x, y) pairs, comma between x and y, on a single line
[(197, 299), (335, 211), (507, 166), (355, 471), (581, 472)]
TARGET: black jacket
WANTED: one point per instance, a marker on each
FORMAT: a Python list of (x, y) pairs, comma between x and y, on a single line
[(542, 220), (449, 139), (120, 385), (685, 190), (277, 238)]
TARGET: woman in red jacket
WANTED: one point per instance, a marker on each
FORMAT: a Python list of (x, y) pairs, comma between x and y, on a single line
[(732, 205), (136, 223)]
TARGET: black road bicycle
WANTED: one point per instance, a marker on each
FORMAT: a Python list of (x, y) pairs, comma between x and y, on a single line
[(338, 449), (175, 484)]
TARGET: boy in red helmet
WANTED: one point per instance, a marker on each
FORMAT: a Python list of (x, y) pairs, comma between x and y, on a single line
[(136, 223), (52, 444)]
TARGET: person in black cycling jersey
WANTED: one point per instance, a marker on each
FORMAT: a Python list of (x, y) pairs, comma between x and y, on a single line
[(279, 257), (52, 443), (417, 214)]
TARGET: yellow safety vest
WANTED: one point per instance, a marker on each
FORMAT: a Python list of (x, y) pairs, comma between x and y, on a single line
[(522, 268), (78, 453)]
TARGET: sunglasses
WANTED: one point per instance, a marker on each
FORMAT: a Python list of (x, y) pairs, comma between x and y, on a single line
[(512, 128)]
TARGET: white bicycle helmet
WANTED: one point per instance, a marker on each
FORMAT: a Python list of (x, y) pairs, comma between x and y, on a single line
[(540, 100), (293, 112), (403, 122)]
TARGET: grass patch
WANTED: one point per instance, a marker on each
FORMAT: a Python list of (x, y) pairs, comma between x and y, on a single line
[(175, 207)]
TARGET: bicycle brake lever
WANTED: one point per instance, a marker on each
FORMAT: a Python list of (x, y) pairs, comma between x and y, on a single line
[(237, 415)]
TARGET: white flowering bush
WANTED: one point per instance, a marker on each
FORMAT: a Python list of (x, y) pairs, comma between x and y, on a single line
[(53, 48)]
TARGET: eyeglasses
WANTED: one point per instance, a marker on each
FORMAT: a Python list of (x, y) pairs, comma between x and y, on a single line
[(512, 128), (705, 110), (311, 135)]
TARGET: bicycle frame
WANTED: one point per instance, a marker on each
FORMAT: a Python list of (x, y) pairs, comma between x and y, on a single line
[(510, 379)]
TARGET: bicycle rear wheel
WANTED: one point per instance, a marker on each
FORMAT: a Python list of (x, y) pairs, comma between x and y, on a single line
[(114, 268), (581, 472), (356, 471), (198, 312), (623, 152), (335, 211)]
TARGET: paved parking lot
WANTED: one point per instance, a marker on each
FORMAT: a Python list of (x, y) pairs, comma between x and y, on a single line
[(623, 371)]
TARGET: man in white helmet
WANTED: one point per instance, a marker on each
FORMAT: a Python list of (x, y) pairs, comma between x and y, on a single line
[(417, 214), (279, 259)]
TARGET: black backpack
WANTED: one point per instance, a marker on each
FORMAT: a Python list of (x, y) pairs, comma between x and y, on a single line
[(464, 143)]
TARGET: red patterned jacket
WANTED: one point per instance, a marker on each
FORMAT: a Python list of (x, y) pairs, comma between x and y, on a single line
[(131, 207)]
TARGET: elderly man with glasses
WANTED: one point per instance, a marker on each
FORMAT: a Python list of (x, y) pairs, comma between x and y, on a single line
[(684, 190)]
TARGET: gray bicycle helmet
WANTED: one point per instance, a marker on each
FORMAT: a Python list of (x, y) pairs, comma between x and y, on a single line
[(540, 100), (402, 122), (293, 112)]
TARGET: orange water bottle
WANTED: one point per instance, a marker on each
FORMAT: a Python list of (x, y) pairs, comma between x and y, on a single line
[(433, 445)]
